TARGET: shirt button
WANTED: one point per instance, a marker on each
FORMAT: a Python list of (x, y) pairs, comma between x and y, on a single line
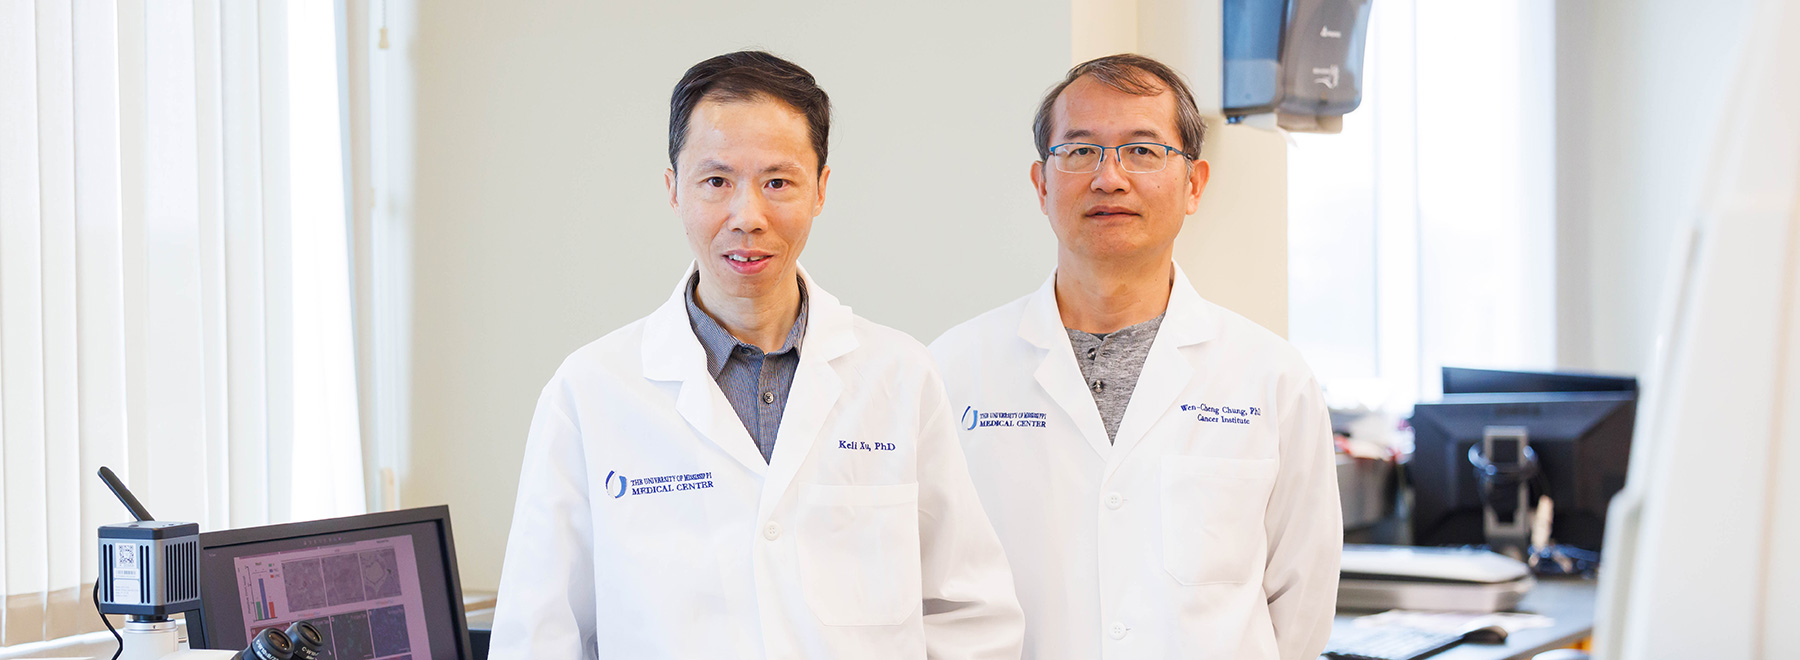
[(772, 531), (1099, 386), (1090, 354), (769, 397), (1118, 631), (1114, 500), (743, 350)]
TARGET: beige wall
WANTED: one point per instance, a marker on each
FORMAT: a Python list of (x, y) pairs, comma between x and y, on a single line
[(540, 218), (1235, 248)]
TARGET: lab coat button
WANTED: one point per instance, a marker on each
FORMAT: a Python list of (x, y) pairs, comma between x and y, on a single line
[(772, 531), (1118, 631), (1114, 500)]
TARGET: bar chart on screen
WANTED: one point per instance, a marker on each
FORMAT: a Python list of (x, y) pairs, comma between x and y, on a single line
[(255, 585)]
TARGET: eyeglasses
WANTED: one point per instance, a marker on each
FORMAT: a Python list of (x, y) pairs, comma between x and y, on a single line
[(1136, 157)]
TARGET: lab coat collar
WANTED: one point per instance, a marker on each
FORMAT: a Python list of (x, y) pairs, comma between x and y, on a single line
[(1188, 320), (671, 352)]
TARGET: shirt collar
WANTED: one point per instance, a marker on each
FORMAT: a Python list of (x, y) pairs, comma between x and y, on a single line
[(1191, 319), (719, 343), (1141, 332)]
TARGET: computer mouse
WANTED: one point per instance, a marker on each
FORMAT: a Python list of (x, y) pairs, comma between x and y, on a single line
[(1493, 634)]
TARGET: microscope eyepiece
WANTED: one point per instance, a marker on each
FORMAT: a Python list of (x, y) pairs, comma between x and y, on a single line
[(270, 644), (309, 643)]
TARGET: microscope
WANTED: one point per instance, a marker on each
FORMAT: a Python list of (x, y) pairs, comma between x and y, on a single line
[(150, 570)]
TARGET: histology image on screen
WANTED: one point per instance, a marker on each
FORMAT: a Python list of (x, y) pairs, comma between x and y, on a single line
[(362, 595)]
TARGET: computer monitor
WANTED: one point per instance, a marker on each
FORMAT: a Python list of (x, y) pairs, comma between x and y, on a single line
[(1463, 380), (381, 586), (1582, 441)]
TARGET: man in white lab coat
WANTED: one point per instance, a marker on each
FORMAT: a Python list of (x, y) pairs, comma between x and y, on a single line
[(1158, 468), (751, 471)]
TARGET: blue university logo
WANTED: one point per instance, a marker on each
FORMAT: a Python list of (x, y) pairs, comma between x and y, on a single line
[(619, 490), (974, 419)]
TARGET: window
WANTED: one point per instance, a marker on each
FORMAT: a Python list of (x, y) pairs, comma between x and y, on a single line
[(174, 297), (1423, 234)]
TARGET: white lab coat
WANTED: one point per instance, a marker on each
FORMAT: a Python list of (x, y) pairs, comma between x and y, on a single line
[(1198, 534), (648, 525)]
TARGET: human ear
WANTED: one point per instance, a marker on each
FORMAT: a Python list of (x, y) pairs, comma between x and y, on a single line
[(1198, 173), (1037, 181)]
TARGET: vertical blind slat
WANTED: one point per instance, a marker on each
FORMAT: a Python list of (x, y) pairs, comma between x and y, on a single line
[(246, 326), (99, 279), (216, 457), (325, 362), (175, 426), (56, 168), (133, 163), (278, 265), (21, 326)]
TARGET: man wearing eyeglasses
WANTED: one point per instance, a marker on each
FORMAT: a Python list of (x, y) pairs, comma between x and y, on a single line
[(1159, 469)]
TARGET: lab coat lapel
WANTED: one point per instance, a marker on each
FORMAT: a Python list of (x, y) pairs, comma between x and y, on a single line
[(1188, 320), (817, 386), (1057, 371), (672, 353)]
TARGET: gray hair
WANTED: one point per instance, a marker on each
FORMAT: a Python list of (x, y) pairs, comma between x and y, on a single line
[(1132, 74)]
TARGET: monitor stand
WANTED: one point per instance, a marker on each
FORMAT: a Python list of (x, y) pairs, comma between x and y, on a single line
[(1504, 467)]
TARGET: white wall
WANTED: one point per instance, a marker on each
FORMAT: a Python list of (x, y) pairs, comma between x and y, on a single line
[(1641, 86), (540, 221)]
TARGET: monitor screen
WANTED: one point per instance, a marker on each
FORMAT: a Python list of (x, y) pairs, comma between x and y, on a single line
[(379, 587), (1462, 380), (1581, 440)]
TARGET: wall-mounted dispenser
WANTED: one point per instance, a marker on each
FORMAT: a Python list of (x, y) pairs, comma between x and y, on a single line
[(1301, 59), (1322, 63), (1251, 74)]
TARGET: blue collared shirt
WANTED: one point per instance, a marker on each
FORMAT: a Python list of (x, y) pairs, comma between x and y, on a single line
[(756, 383)]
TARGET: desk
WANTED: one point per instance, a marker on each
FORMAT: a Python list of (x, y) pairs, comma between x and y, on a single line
[(1570, 601)]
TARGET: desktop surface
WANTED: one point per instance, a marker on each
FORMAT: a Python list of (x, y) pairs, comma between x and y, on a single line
[(1569, 601)]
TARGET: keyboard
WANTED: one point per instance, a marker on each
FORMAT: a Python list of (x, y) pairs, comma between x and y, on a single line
[(1387, 643)]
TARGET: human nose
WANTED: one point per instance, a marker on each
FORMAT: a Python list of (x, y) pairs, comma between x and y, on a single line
[(1110, 177), (749, 211)]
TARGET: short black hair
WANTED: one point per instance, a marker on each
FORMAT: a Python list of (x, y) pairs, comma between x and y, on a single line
[(1132, 74), (743, 76)]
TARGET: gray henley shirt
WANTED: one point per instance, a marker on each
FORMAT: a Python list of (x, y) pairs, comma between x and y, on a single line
[(1111, 363)]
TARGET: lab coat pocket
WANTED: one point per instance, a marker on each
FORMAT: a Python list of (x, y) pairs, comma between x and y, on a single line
[(859, 553), (1212, 517)]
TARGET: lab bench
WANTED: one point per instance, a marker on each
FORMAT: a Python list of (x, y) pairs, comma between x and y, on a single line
[(1568, 601)]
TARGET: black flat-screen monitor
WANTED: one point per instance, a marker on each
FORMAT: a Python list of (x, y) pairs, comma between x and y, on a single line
[(381, 586), (1582, 441), (1463, 380)]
